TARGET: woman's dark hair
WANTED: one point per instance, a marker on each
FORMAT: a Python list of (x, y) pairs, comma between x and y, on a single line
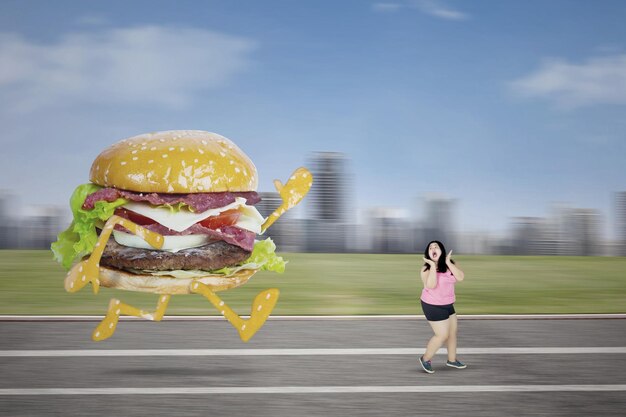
[(441, 263)]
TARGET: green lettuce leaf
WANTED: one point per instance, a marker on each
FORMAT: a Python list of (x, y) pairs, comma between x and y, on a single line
[(263, 257), (80, 237), (175, 208)]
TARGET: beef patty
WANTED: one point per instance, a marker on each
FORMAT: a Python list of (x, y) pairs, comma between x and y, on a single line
[(215, 255)]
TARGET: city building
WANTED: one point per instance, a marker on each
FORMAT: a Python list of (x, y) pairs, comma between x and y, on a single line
[(620, 220), (391, 231), (582, 232), (329, 225), (439, 221)]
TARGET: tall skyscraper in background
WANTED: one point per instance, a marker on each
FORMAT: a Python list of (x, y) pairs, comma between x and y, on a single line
[(439, 221), (330, 217), (582, 232), (390, 230), (620, 217), (9, 227)]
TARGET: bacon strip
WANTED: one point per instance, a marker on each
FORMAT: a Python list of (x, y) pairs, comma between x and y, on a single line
[(199, 202)]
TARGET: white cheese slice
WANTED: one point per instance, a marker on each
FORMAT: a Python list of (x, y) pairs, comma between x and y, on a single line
[(250, 219), (180, 220), (170, 244)]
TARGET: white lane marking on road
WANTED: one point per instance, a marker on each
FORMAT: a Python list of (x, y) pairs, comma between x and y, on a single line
[(308, 390), (308, 352), (9, 318)]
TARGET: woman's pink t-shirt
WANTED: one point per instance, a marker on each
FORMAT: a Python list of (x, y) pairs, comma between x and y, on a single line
[(443, 293)]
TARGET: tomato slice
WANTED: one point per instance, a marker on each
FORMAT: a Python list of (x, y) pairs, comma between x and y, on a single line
[(134, 217), (225, 218)]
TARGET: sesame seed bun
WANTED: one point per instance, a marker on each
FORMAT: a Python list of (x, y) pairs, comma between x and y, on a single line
[(123, 280), (175, 161)]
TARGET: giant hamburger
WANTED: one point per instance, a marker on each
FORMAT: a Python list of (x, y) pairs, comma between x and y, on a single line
[(196, 189)]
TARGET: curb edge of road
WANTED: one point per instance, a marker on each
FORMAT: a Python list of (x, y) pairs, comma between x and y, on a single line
[(79, 318)]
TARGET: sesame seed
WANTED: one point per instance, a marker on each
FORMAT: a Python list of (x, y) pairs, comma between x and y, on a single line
[(222, 154), (201, 151), (237, 169), (134, 152), (144, 143), (182, 149), (153, 148), (171, 149), (232, 162), (151, 161), (164, 155), (267, 297), (195, 160), (204, 142), (135, 158), (123, 163), (161, 140)]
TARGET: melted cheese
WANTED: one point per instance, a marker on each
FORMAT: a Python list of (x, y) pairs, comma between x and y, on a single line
[(170, 243), (183, 219)]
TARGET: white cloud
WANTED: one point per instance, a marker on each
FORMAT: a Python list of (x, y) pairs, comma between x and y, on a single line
[(146, 64), (438, 9), (599, 80), (434, 8)]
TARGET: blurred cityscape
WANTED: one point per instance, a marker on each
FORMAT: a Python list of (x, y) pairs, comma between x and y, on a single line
[(329, 225)]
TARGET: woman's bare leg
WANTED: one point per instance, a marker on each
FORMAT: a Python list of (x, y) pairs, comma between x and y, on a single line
[(442, 330), (452, 338)]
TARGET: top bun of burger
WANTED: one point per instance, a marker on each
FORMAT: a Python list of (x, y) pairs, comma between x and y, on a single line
[(175, 161)]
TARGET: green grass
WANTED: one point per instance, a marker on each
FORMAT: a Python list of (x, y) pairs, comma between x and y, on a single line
[(324, 284)]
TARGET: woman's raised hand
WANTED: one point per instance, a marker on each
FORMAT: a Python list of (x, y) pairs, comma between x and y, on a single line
[(429, 262), (449, 256)]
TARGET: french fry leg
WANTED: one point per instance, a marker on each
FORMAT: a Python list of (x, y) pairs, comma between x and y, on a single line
[(262, 307), (107, 326)]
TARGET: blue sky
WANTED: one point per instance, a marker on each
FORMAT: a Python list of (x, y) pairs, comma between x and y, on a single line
[(507, 106)]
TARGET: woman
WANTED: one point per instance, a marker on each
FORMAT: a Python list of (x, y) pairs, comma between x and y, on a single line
[(439, 275)]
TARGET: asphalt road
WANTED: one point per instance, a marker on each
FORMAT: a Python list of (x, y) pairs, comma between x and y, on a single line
[(205, 370)]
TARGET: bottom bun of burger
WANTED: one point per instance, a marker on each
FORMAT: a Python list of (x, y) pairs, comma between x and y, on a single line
[(124, 280)]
